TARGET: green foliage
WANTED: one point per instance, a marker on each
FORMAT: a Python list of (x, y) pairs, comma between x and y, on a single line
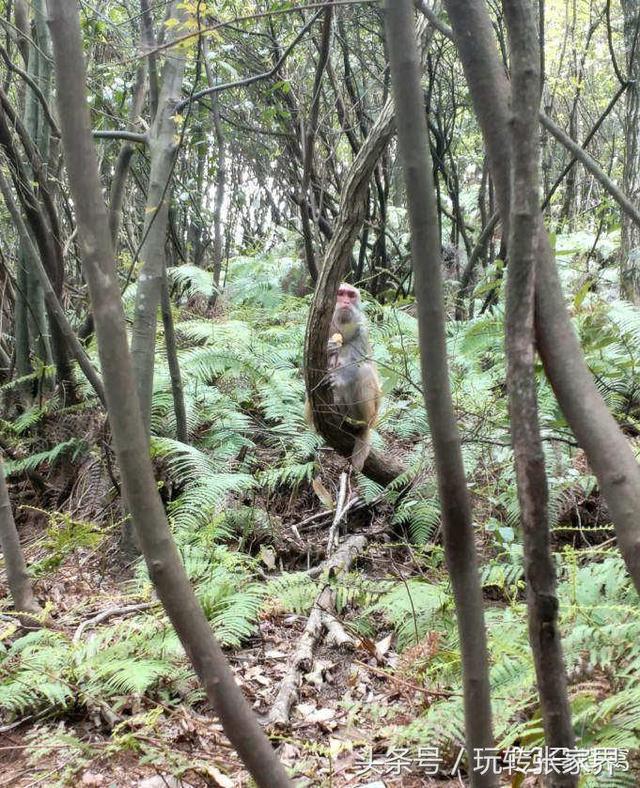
[(63, 536), (247, 441), (600, 624), (135, 656), (71, 448), (34, 673), (422, 516), (191, 280), (413, 608), (294, 591), (204, 486), (290, 476)]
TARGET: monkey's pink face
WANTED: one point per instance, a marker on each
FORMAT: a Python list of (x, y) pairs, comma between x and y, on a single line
[(347, 304)]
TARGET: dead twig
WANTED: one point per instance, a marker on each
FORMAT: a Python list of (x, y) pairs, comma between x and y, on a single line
[(109, 613), (322, 612)]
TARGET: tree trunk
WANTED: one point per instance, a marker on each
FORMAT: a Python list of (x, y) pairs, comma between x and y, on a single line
[(38, 330), (163, 149), (413, 145), (306, 199), (129, 433), (630, 239), (123, 162), (15, 565), (353, 206), (221, 181), (59, 347), (355, 194), (22, 341), (521, 383), (606, 448), (172, 360), (54, 306)]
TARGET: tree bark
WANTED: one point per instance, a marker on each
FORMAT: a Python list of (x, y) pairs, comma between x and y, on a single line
[(529, 457), (630, 240), (171, 346), (41, 135), (353, 206), (129, 433), (123, 162), (221, 181), (39, 71), (163, 149), (455, 503), (41, 217), (606, 448), (306, 213), (348, 223), (54, 306), (15, 565)]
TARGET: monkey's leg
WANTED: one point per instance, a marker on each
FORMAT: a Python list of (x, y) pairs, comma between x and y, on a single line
[(361, 449)]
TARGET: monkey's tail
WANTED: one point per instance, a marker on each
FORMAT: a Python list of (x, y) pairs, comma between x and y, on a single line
[(361, 448)]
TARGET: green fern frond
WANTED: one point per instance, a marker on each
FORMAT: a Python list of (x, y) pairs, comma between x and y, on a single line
[(202, 499), (188, 464), (191, 280), (73, 447), (413, 608), (292, 475), (294, 591), (422, 516), (129, 676), (34, 672), (369, 490), (442, 726)]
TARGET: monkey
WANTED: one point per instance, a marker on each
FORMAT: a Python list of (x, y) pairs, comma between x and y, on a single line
[(352, 374)]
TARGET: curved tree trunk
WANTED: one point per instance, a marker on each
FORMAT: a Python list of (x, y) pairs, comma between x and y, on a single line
[(351, 214), (349, 221)]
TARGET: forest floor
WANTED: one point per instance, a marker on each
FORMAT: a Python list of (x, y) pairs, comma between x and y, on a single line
[(337, 727), (350, 704), (340, 725)]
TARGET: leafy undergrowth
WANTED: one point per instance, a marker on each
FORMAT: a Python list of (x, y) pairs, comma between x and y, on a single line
[(104, 696)]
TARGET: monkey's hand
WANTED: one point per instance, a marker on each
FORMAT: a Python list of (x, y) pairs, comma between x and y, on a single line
[(335, 343), (333, 350)]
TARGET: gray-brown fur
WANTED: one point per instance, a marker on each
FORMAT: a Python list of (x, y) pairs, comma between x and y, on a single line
[(354, 379)]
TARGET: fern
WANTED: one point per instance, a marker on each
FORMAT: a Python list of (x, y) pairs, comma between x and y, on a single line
[(411, 609), (191, 280), (442, 726), (72, 447), (293, 592), (33, 671), (422, 516), (288, 476)]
